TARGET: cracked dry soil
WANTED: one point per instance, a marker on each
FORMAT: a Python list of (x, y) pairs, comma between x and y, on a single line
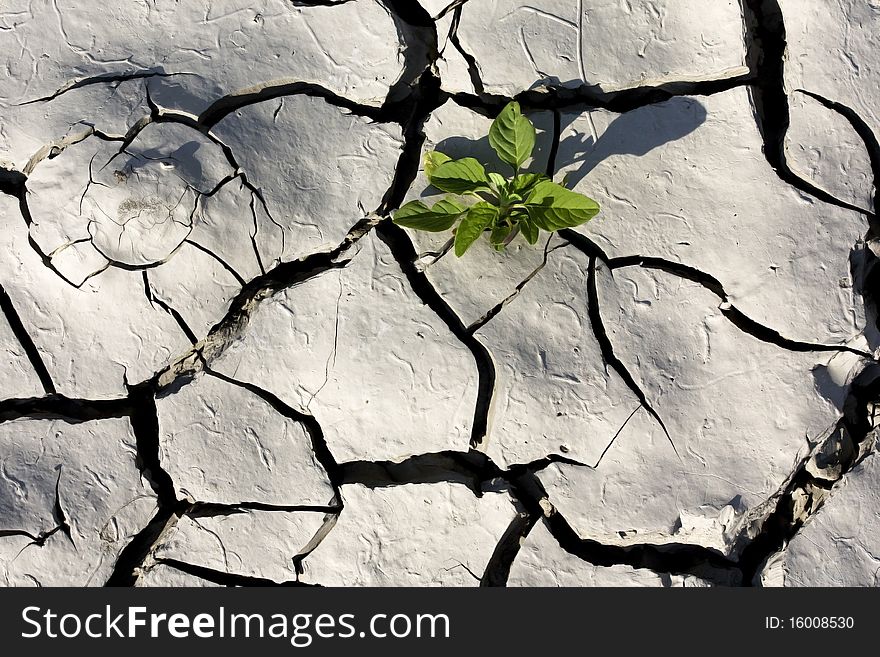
[(222, 364)]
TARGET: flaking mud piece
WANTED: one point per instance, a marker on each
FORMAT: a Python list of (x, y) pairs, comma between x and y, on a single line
[(741, 413), (70, 500), (457, 69), (358, 350), (260, 544), (411, 535), (656, 173), (566, 43), (90, 343), (221, 443), (542, 562), (318, 167), (839, 545)]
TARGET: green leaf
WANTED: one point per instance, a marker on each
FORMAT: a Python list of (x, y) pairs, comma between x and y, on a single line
[(524, 182), (552, 206), (498, 180), (512, 135), (478, 219), (529, 230), (434, 159), (436, 219), (460, 176)]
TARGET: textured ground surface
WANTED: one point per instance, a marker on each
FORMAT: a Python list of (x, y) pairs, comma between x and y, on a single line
[(221, 364)]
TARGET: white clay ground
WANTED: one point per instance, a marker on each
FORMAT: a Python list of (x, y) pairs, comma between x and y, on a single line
[(222, 364)]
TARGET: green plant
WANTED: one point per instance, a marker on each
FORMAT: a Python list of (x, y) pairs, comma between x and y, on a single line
[(489, 203)]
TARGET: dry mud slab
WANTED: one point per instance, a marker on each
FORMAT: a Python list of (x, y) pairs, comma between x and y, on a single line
[(222, 364)]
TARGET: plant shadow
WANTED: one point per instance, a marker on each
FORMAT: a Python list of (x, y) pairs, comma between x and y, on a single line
[(636, 133)]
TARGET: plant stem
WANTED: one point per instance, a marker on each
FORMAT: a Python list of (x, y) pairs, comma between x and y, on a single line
[(509, 238)]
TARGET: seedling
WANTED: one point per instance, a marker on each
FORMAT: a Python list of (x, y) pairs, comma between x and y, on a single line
[(481, 202)]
